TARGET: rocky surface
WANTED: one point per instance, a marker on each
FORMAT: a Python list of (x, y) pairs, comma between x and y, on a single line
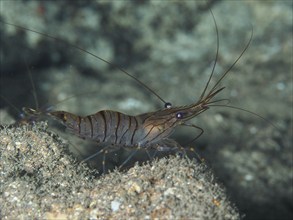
[(40, 179)]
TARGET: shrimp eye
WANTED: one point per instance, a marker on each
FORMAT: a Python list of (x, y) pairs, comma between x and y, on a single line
[(179, 115), (168, 105)]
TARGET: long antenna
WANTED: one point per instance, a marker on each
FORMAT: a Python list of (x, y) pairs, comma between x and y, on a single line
[(33, 85), (234, 63), (92, 54), (216, 58), (247, 111)]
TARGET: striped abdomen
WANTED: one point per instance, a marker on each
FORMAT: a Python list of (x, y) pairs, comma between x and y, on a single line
[(104, 126)]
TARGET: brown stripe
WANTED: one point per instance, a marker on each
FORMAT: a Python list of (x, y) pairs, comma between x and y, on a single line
[(91, 123), (148, 133), (94, 126), (129, 124), (135, 129), (157, 119), (98, 126), (152, 129), (146, 126), (160, 134), (79, 121), (118, 123), (104, 118), (110, 122)]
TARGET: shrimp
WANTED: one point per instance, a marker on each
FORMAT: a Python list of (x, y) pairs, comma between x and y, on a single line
[(148, 131)]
